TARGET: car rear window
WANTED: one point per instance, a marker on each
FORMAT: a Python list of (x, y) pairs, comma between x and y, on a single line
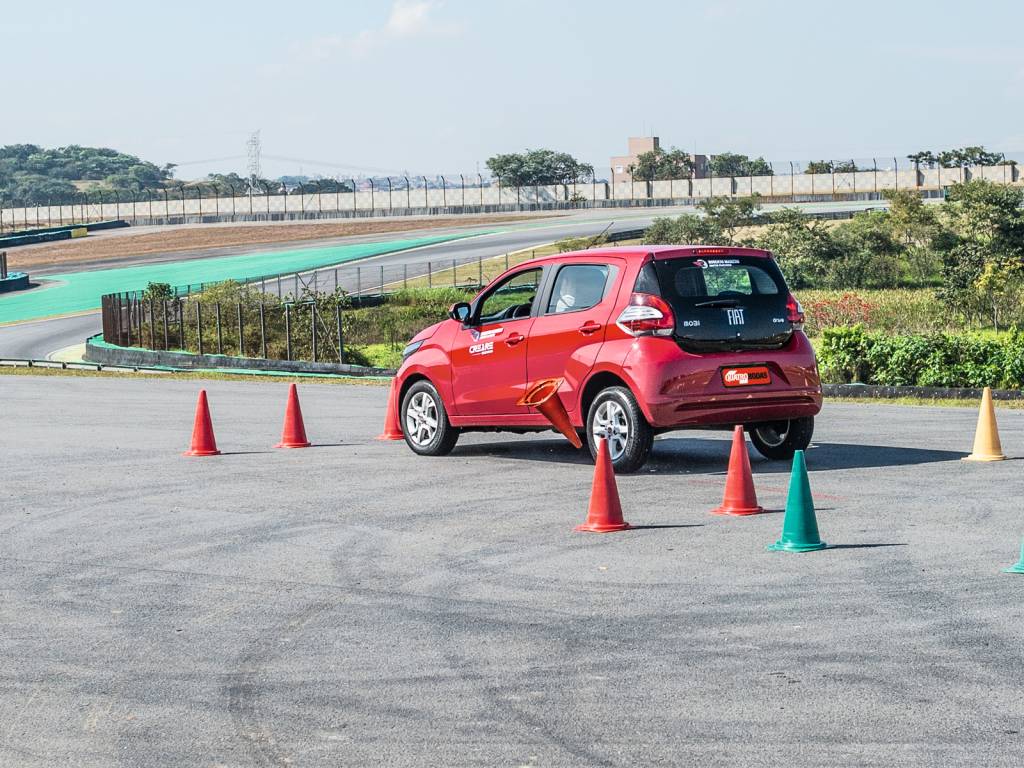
[(726, 303), (717, 278)]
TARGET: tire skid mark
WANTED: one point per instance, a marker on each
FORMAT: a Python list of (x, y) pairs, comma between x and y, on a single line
[(244, 688)]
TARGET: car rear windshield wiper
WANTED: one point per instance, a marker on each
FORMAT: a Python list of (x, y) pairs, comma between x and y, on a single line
[(719, 303)]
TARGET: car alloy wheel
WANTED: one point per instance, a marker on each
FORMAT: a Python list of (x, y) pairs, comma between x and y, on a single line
[(611, 423), (421, 419), (773, 435)]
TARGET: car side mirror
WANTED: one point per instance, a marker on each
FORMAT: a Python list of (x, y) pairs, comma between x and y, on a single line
[(460, 312)]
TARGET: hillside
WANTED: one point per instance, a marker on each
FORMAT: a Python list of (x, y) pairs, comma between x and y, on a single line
[(32, 174)]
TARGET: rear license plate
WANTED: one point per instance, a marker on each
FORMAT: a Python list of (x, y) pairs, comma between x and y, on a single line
[(747, 376)]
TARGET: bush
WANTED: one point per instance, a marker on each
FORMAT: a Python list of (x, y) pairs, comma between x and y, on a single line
[(924, 360)]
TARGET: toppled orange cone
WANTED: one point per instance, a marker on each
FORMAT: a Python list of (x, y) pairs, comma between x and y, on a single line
[(740, 497), (986, 437), (392, 426), (203, 441), (293, 435), (605, 512), (544, 397)]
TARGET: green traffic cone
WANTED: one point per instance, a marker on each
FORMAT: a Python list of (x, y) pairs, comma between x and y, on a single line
[(799, 527), (1017, 567)]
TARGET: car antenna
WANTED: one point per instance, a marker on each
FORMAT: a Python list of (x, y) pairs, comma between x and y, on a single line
[(594, 240)]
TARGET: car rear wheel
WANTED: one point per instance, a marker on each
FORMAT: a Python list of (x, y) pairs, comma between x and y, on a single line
[(781, 439), (425, 422), (615, 416)]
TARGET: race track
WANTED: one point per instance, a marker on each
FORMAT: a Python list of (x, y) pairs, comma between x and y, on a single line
[(32, 339)]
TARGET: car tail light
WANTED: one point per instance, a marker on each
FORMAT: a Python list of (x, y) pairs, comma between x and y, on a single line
[(647, 315), (794, 312)]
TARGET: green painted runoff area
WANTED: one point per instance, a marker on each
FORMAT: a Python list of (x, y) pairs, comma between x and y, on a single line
[(81, 291)]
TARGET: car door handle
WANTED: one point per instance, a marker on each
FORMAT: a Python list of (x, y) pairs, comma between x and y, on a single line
[(589, 327), (514, 339)]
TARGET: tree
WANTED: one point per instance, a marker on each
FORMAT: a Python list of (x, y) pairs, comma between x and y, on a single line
[(685, 229), (722, 217), (658, 165), (731, 213), (864, 254), (802, 246), (731, 164), (827, 166), (538, 166), (981, 242), (925, 158), (35, 189), (957, 158), (28, 171), (968, 156), (914, 225)]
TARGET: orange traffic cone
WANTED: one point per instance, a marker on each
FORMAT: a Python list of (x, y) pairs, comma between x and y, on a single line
[(203, 441), (294, 433), (605, 512), (544, 397), (392, 426), (986, 437), (740, 497)]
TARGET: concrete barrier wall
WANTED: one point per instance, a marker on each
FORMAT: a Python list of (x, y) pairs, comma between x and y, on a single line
[(475, 198)]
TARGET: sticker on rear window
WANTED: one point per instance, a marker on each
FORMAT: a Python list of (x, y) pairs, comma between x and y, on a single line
[(711, 263)]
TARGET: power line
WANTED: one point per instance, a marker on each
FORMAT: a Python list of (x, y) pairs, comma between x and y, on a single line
[(328, 164), (209, 160)]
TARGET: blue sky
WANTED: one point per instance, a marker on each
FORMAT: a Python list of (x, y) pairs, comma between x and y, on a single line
[(440, 85)]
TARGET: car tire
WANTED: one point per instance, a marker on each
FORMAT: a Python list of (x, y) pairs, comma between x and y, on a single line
[(631, 444), (779, 440), (424, 420)]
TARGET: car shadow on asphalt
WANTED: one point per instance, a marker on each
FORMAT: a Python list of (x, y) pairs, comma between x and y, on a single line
[(690, 455)]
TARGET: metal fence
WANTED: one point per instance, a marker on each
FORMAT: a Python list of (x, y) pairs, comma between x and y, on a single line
[(473, 193), (299, 330)]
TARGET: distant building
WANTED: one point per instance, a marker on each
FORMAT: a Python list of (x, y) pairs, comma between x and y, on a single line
[(637, 145)]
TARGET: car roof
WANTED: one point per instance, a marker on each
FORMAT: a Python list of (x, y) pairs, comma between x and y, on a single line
[(658, 251)]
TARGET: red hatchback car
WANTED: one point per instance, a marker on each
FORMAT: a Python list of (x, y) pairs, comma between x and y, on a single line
[(646, 339)]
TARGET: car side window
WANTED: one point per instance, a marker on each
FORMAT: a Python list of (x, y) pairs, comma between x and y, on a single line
[(511, 299), (577, 287)]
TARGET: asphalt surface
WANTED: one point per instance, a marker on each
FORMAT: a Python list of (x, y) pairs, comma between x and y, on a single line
[(354, 604), (38, 342)]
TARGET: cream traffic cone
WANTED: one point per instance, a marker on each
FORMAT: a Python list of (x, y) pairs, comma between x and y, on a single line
[(986, 437)]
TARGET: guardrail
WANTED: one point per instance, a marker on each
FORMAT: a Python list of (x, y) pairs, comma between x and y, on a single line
[(52, 234), (24, 362)]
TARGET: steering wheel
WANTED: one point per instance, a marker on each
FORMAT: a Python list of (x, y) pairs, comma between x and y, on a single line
[(516, 311)]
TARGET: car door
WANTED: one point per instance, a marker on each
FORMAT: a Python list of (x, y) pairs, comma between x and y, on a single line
[(570, 328), (489, 352)]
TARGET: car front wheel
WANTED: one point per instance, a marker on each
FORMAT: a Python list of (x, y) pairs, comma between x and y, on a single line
[(615, 416), (781, 439), (425, 422)]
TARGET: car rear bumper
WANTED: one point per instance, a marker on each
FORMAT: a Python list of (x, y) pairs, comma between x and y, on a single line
[(678, 389)]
